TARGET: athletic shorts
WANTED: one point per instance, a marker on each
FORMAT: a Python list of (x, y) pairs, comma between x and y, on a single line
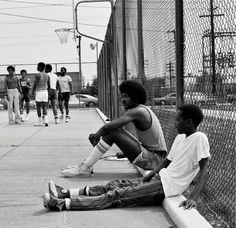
[(64, 96), (149, 160), (52, 94), (41, 96)]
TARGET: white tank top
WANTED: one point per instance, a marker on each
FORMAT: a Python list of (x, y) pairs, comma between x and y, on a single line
[(152, 138)]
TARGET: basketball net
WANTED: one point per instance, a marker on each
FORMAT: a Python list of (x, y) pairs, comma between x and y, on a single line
[(62, 34)]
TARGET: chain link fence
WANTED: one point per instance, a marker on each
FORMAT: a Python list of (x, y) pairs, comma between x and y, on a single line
[(144, 38)]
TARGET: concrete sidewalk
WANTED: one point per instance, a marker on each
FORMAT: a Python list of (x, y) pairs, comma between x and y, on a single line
[(31, 156)]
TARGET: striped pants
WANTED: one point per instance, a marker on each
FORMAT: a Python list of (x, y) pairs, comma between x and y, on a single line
[(121, 193)]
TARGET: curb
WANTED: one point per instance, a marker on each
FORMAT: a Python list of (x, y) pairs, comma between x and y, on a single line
[(181, 217)]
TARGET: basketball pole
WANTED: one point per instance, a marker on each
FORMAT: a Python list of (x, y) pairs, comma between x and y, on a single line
[(80, 67)]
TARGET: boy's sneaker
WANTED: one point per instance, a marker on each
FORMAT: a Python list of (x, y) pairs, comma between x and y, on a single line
[(52, 203), (58, 191), (26, 117), (46, 124), (77, 166), (38, 124), (21, 118), (80, 170), (61, 117), (67, 119)]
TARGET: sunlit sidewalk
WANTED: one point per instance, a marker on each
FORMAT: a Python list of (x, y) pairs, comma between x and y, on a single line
[(31, 156)]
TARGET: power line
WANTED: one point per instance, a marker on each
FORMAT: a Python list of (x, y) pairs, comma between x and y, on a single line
[(37, 18), (36, 3), (23, 37), (21, 7), (51, 20)]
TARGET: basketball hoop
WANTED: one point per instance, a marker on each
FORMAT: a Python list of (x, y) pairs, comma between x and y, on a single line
[(62, 34)]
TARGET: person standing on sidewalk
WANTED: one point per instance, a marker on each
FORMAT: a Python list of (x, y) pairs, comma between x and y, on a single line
[(13, 91), (145, 151), (189, 156), (52, 92), (40, 89), (65, 82), (25, 86)]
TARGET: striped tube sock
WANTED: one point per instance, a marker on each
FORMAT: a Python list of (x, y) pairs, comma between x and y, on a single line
[(101, 148)]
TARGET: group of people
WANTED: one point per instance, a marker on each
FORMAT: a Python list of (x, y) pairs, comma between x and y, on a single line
[(47, 87), (170, 172)]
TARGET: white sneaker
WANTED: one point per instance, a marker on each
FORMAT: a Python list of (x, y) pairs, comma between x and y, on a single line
[(61, 117), (67, 119), (76, 171), (38, 124), (26, 117), (21, 118)]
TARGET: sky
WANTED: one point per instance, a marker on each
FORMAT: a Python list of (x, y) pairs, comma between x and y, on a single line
[(28, 33)]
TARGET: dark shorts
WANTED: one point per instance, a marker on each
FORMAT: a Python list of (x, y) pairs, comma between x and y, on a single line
[(25, 98), (64, 96), (52, 94)]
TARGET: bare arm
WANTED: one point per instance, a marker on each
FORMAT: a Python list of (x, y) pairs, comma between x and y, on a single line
[(115, 124), (48, 82), (71, 89), (6, 87), (19, 86), (162, 165), (29, 83), (203, 176), (35, 83), (58, 87)]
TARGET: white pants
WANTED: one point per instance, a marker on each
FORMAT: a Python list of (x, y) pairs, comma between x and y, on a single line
[(13, 105)]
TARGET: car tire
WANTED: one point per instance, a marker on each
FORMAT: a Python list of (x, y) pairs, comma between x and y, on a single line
[(91, 104)]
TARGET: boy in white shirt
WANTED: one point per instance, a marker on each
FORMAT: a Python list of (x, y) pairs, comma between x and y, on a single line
[(65, 82), (188, 156)]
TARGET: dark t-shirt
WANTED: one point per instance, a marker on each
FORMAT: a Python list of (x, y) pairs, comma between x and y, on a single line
[(25, 85)]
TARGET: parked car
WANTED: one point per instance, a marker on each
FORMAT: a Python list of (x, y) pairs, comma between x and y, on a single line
[(90, 101), (199, 98), (168, 99), (74, 102)]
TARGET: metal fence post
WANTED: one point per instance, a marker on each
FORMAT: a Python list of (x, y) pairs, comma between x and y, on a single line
[(179, 43), (124, 41), (140, 43)]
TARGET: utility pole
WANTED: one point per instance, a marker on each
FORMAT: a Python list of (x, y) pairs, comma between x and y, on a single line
[(170, 68), (212, 43)]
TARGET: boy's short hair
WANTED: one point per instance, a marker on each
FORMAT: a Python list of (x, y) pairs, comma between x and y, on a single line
[(193, 112), (23, 71), (134, 89), (64, 69), (41, 65), (11, 68), (48, 67)]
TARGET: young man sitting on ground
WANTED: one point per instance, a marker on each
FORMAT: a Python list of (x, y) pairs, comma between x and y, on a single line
[(188, 156), (145, 151)]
